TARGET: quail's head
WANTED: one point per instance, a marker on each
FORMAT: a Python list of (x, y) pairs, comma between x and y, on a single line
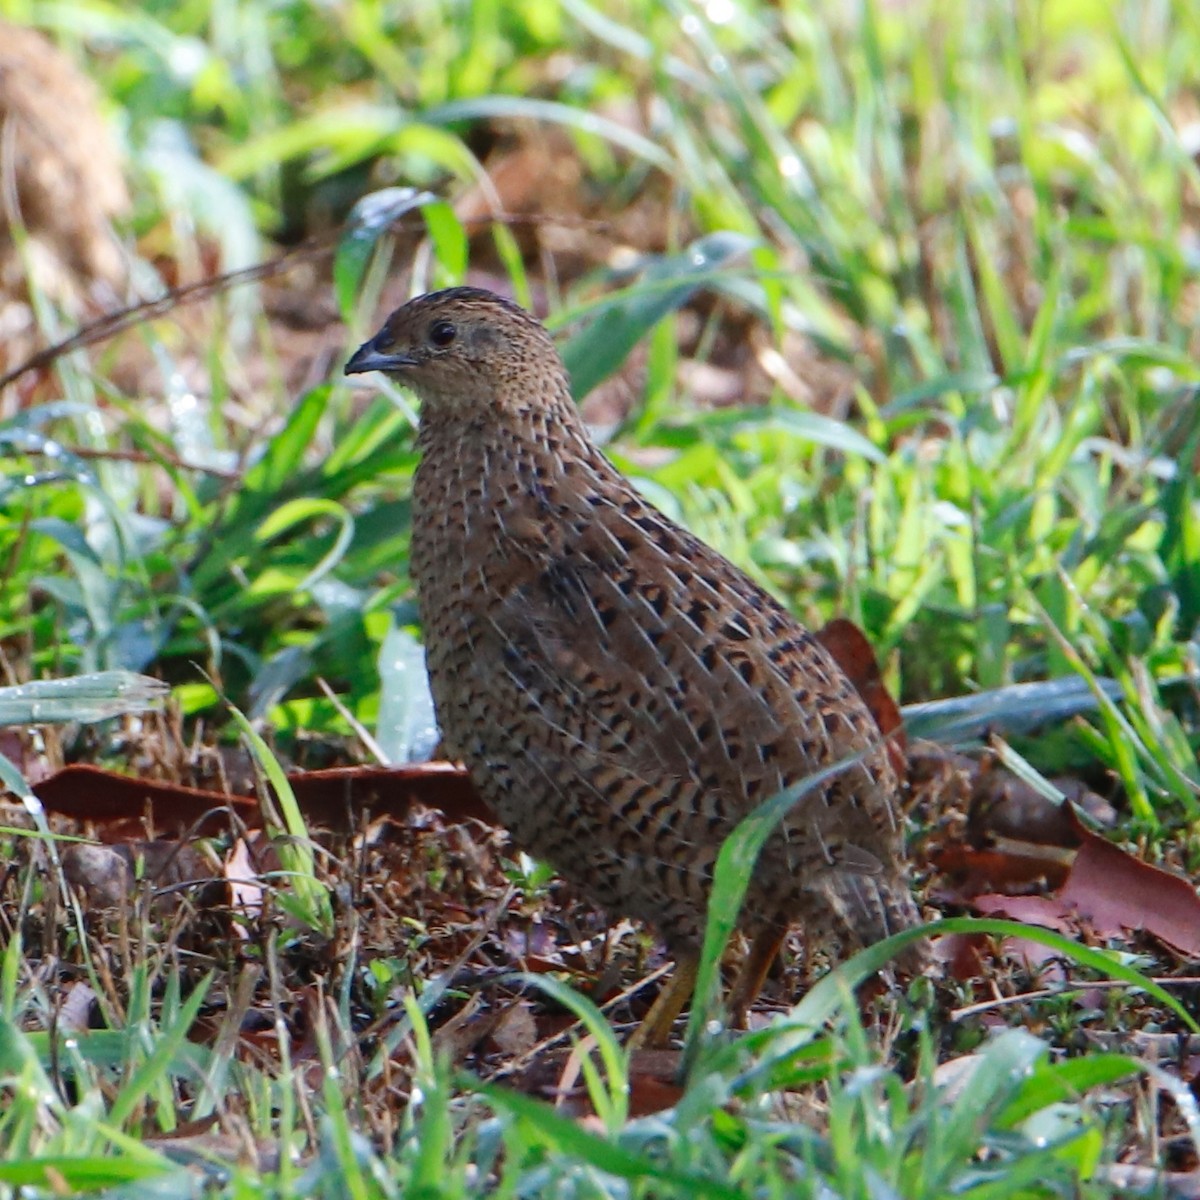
[(461, 348)]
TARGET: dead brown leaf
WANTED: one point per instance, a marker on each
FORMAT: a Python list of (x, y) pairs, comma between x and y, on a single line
[(1119, 894), (99, 873), (1107, 889), (121, 803), (334, 798), (104, 875), (970, 871), (516, 1032), (849, 648)]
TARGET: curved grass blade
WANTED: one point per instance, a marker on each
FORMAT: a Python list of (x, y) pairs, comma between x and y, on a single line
[(613, 1108), (734, 870), (835, 991), (295, 851), (571, 1139), (526, 108)]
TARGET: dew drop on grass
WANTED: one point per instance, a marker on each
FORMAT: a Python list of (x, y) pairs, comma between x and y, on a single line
[(187, 57)]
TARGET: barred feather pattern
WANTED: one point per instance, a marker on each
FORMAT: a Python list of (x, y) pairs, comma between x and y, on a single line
[(622, 694)]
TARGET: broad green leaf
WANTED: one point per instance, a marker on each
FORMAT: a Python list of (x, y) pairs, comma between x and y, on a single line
[(86, 698), (406, 729), (600, 348), (1012, 709), (372, 217)]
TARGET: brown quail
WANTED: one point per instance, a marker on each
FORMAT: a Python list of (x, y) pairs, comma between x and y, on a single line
[(621, 694)]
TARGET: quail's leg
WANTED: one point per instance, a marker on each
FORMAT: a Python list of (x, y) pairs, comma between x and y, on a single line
[(749, 982), (656, 1025)]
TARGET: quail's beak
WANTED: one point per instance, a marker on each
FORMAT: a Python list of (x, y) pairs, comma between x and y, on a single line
[(369, 358)]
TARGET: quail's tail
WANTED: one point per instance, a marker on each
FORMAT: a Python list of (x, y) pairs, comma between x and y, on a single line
[(872, 907)]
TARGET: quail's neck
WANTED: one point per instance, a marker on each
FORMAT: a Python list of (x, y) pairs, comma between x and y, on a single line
[(509, 399), (492, 496), (535, 431)]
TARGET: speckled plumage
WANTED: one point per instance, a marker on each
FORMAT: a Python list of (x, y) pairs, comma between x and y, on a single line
[(621, 694)]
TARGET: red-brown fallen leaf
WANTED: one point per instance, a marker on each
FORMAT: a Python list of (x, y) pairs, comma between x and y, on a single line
[(1046, 911), (849, 648), (554, 1074), (963, 955), (89, 793), (648, 1095), (652, 1081), (332, 798), (971, 871), (336, 797), (1118, 893), (1115, 894)]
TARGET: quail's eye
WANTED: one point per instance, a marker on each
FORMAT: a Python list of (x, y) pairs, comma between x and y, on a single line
[(441, 333)]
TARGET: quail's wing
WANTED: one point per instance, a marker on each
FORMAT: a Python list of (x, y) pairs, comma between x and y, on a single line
[(660, 658)]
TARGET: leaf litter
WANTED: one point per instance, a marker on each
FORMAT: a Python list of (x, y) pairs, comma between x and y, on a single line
[(431, 890)]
